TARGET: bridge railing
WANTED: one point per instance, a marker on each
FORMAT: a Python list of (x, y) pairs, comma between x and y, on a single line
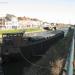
[(70, 58)]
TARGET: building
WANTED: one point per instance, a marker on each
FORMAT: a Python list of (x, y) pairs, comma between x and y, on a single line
[(29, 22), (11, 22)]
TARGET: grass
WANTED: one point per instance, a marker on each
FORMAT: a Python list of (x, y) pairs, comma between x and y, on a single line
[(9, 31), (20, 30), (33, 30)]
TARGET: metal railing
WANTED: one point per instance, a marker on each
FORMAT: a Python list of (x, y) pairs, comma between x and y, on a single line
[(70, 58)]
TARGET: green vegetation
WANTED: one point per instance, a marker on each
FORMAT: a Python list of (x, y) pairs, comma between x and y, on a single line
[(9, 31), (20, 30), (33, 30)]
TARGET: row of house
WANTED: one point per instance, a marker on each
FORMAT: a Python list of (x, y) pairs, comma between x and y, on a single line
[(29, 22), (9, 22), (13, 22)]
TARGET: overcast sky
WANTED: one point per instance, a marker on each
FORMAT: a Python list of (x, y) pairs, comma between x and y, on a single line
[(48, 10)]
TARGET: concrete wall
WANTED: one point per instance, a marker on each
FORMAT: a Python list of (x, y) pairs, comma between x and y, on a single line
[(41, 47)]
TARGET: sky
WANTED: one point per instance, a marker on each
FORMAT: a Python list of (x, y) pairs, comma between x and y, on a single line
[(62, 11)]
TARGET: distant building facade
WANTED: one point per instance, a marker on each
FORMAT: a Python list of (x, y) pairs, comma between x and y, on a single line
[(13, 22)]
